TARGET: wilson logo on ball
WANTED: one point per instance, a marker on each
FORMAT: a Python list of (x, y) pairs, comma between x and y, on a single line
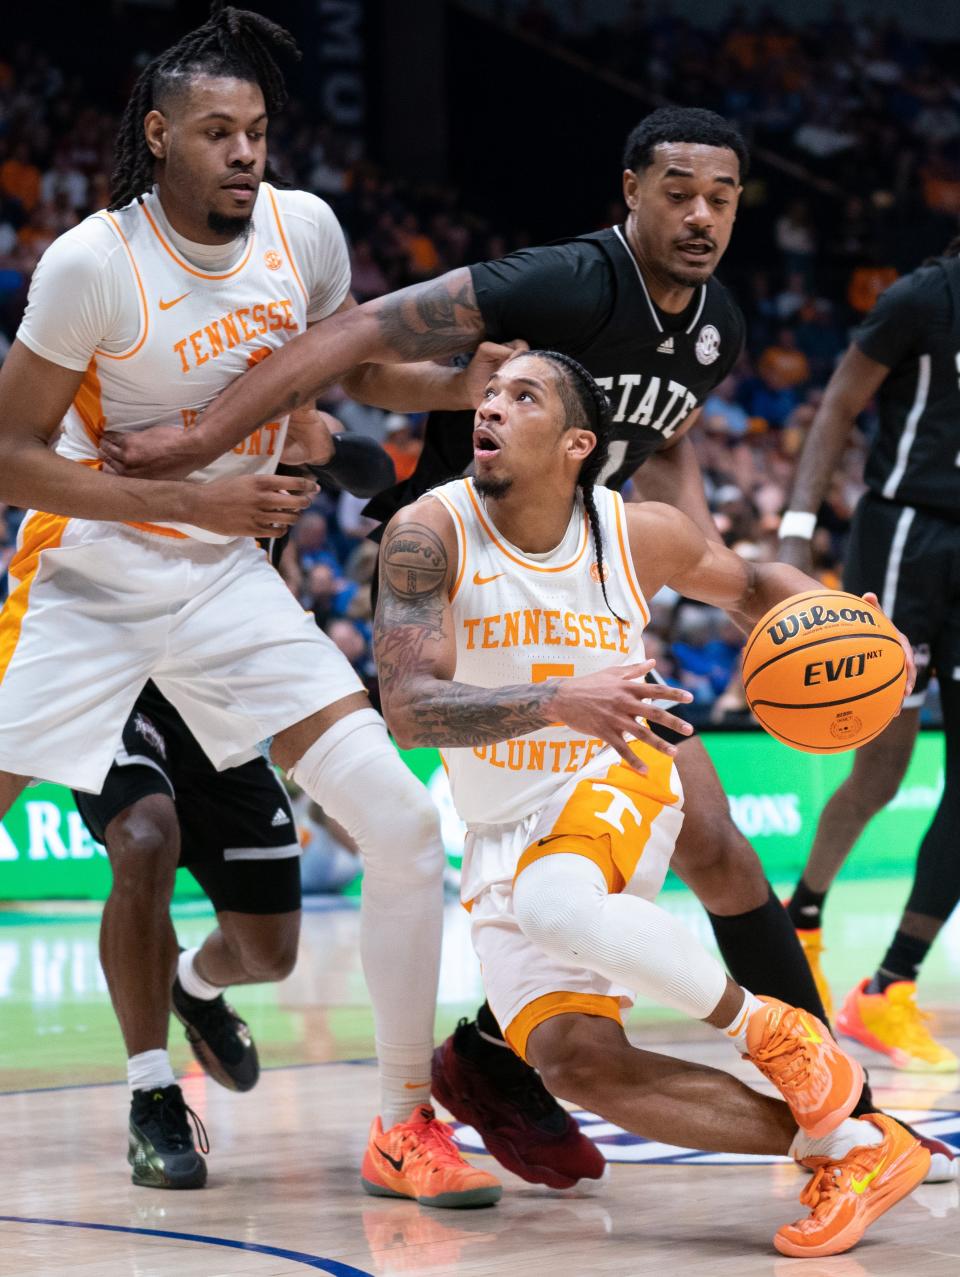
[(813, 617)]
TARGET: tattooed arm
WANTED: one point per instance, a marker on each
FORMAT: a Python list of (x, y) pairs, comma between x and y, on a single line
[(415, 648), (427, 321), (415, 651)]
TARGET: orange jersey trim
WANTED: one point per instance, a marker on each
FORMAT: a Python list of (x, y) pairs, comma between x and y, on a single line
[(41, 532), (88, 402), (159, 530), (185, 265), (286, 246), (458, 520), (517, 1032), (145, 313), (628, 559), (532, 567)]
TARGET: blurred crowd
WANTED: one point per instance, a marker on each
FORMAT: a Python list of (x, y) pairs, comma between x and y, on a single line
[(819, 238)]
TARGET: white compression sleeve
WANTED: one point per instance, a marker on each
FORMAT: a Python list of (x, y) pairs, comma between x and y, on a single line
[(563, 905), (359, 779)]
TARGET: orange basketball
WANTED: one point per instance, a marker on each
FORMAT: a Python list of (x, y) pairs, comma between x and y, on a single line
[(824, 671)]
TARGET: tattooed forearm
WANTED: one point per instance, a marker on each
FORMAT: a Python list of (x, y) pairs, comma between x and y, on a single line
[(447, 714), (427, 321), (413, 650)]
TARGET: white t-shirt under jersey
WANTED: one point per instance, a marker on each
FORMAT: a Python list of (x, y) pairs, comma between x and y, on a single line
[(83, 296), (160, 326)]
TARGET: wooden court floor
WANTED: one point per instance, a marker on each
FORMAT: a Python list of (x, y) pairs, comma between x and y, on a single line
[(283, 1196)]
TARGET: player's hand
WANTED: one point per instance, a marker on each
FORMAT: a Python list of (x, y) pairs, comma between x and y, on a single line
[(908, 660), (610, 703), (308, 437), (160, 452), (487, 359), (254, 505), (796, 552)]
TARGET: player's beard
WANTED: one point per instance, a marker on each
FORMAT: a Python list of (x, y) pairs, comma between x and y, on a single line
[(687, 280), (495, 488), (235, 227)]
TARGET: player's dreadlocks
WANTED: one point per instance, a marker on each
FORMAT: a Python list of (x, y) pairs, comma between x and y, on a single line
[(587, 408), (232, 42)]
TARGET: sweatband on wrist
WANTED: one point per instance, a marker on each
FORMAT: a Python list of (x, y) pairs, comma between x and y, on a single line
[(797, 523), (359, 466)]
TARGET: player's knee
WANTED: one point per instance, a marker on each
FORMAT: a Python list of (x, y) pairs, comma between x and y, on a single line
[(270, 958), (144, 847), (401, 843), (550, 916)]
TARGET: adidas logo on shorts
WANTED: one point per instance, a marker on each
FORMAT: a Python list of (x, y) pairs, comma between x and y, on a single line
[(280, 817)]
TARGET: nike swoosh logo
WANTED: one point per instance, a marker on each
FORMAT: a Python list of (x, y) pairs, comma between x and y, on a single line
[(485, 580), (166, 305), (397, 1166), (860, 1185), (809, 1034), (416, 1086), (732, 1033), (550, 838)]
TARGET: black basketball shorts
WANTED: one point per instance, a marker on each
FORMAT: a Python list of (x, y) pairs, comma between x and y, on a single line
[(238, 837), (910, 558)]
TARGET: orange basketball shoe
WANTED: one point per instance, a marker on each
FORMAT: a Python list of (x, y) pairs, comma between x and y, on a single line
[(846, 1196), (891, 1022), (418, 1158), (794, 1051), (811, 941)]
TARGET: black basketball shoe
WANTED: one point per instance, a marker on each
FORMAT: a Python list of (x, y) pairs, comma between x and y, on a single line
[(161, 1150), (218, 1038)]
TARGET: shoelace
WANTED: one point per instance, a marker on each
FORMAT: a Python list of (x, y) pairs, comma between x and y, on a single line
[(172, 1116), (785, 1057), (827, 1181), (433, 1139)]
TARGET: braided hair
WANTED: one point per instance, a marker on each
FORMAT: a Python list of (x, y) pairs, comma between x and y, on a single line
[(232, 42), (586, 406)]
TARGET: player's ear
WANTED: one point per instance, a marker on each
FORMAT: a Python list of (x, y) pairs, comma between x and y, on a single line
[(155, 130), (580, 443), (631, 188)]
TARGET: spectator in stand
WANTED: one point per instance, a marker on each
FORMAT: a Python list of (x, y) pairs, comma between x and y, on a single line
[(796, 239), (867, 282), (367, 277), (20, 178), (310, 536), (327, 594), (403, 442), (783, 366), (65, 181)]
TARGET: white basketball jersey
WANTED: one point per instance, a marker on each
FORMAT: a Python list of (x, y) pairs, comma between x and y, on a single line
[(524, 619), (199, 331)]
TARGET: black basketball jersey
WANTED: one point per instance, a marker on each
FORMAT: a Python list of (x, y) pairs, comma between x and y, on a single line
[(914, 329), (586, 297)]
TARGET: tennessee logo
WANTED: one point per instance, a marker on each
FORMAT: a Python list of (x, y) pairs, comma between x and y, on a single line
[(595, 572), (485, 580), (272, 259), (860, 1185), (167, 305)]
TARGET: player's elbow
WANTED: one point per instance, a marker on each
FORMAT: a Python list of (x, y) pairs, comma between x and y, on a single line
[(396, 714)]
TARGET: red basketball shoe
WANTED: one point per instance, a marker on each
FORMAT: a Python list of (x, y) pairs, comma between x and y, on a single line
[(520, 1123)]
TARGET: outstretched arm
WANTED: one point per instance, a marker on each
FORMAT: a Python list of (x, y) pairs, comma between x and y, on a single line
[(426, 321), (415, 651), (853, 384)]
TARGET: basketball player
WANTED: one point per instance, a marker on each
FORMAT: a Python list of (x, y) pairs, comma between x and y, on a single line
[(164, 804), (639, 307), (509, 635), (137, 317), (905, 544)]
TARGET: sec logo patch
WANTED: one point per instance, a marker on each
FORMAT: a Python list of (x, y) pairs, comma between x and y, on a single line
[(272, 259)]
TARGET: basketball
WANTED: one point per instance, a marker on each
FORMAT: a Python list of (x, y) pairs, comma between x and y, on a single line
[(824, 672)]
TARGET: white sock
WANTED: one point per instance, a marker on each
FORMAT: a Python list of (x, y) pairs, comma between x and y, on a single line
[(193, 983), (359, 779), (563, 905), (853, 1133), (149, 1069), (736, 1030)]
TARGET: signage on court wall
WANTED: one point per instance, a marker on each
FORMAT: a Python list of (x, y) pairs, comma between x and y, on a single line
[(776, 795)]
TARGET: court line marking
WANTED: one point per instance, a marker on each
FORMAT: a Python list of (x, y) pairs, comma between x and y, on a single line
[(332, 1266), (366, 1061)]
